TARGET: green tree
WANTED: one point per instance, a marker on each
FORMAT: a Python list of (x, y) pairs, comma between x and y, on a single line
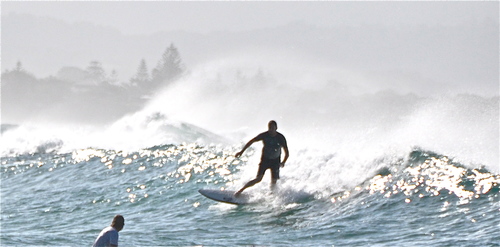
[(95, 74), (19, 67), (169, 68), (141, 78), (22, 94), (113, 78)]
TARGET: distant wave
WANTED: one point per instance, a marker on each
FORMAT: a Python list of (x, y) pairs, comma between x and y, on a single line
[(129, 133), (7, 127), (426, 174)]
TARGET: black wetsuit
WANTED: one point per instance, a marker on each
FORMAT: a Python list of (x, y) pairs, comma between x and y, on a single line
[(271, 153)]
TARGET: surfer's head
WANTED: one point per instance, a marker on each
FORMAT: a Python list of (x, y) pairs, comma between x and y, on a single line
[(118, 222), (273, 126)]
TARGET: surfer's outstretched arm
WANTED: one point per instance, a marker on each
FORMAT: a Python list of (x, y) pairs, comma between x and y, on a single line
[(255, 139)]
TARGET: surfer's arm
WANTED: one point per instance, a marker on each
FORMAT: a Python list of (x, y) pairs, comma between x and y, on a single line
[(286, 156), (255, 139), (285, 148)]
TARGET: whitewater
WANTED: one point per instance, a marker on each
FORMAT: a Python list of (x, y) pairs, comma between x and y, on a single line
[(367, 167)]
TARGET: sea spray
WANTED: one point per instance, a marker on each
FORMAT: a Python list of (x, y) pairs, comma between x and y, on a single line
[(331, 114), (319, 200), (365, 168)]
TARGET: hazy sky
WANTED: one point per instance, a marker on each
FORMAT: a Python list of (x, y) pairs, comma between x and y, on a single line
[(449, 42), (150, 17)]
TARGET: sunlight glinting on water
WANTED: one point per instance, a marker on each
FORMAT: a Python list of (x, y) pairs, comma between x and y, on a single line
[(212, 164), (439, 175), (432, 177)]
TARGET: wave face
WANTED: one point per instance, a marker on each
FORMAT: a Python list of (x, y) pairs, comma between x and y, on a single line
[(367, 167), (413, 198)]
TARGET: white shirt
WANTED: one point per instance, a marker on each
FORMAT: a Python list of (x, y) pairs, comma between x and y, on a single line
[(107, 237)]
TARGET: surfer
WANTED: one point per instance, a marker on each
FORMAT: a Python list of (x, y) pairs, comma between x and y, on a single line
[(271, 155), (109, 235)]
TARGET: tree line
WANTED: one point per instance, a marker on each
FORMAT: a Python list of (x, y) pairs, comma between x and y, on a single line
[(89, 95)]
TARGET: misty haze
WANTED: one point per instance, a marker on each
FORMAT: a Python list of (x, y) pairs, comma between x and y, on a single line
[(390, 112), (82, 72)]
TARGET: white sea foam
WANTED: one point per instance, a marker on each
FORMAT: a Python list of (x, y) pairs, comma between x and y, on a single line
[(335, 115), (231, 100)]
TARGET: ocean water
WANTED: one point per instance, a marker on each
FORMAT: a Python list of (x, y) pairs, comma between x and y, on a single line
[(365, 169), (420, 198)]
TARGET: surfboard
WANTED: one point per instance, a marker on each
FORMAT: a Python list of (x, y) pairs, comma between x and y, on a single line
[(226, 196)]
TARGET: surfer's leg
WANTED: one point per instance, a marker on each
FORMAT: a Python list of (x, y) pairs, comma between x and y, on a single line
[(273, 184), (249, 184), (275, 175), (260, 175)]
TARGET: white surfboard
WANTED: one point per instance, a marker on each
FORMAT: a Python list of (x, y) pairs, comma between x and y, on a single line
[(226, 196)]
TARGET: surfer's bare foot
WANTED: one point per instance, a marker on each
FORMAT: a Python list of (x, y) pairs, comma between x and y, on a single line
[(237, 194)]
